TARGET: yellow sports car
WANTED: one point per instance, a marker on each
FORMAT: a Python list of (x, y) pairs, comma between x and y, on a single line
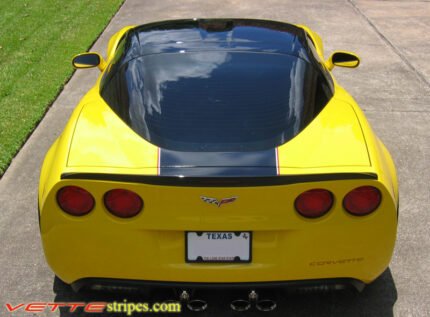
[(217, 152)]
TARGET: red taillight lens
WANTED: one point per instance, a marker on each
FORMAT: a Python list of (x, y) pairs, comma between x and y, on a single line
[(362, 201), (123, 203), (314, 203), (75, 200)]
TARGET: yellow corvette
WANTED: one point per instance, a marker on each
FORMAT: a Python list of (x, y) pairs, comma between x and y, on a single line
[(217, 152)]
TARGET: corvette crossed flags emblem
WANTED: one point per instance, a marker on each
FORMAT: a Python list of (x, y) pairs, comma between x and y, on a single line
[(218, 203)]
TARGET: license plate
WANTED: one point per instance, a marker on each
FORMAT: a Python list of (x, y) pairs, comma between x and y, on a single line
[(218, 247)]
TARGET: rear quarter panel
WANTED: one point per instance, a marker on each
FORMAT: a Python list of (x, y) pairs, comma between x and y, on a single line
[(379, 156)]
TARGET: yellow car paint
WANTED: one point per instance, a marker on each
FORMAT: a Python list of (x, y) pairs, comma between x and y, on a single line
[(114, 40)]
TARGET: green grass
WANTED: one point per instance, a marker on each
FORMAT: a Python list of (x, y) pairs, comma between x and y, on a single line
[(37, 41)]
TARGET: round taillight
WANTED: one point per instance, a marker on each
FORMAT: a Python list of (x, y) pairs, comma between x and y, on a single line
[(362, 200), (314, 203), (75, 200), (123, 203)]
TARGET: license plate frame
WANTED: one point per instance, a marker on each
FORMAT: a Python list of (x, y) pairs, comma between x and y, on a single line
[(227, 258)]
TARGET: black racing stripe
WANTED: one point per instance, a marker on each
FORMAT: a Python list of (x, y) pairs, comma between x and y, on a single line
[(218, 164), (219, 181)]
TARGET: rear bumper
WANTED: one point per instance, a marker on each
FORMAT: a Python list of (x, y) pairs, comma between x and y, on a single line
[(160, 256), (132, 285)]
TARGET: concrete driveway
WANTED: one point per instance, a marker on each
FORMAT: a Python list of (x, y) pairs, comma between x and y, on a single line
[(393, 87)]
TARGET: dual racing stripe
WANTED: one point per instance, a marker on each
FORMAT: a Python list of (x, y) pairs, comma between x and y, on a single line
[(218, 164)]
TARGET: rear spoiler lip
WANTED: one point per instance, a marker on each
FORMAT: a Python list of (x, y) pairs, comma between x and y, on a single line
[(219, 181)]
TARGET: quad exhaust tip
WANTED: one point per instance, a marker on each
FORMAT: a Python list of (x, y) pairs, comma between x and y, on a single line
[(264, 305), (196, 305), (240, 305)]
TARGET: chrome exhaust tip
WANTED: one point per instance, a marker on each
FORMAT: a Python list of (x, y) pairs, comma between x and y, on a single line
[(266, 305), (240, 305), (197, 305)]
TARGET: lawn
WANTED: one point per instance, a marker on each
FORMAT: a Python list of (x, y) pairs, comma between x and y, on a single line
[(37, 40)]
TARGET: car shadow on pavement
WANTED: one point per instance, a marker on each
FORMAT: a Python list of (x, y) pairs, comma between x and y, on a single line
[(376, 299)]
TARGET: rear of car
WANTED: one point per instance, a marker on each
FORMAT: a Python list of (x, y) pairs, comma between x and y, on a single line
[(284, 245), (216, 152)]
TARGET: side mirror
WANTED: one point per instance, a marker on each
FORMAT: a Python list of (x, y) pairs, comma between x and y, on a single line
[(342, 59), (88, 60)]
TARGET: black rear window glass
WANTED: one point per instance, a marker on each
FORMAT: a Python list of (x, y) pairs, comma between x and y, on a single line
[(222, 92)]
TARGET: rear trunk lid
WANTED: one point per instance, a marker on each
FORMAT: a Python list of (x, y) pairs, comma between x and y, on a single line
[(103, 143)]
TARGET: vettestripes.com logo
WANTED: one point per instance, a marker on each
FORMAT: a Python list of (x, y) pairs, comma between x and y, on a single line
[(124, 307)]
